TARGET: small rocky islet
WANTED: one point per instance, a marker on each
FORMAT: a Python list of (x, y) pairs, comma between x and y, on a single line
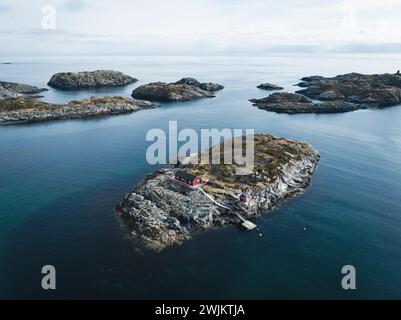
[(284, 102), (161, 212), (14, 111), (269, 87), (186, 89), (12, 90), (90, 79), (348, 92)]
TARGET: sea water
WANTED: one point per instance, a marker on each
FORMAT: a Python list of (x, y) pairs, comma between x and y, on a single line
[(60, 181)]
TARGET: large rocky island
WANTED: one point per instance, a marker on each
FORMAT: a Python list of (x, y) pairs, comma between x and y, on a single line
[(342, 93), (161, 212), (89, 79), (31, 110), (185, 89)]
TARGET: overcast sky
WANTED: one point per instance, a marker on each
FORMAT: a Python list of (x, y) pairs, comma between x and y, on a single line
[(199, 26)]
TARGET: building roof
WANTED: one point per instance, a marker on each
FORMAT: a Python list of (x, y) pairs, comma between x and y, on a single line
[(185, 175)]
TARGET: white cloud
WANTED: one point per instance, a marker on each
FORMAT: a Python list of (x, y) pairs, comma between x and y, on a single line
[(202, 26)]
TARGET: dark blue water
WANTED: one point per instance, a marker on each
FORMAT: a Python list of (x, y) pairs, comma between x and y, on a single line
[(59, 182)]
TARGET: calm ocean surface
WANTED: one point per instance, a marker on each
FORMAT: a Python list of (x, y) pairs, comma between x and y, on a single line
[(59, 182)]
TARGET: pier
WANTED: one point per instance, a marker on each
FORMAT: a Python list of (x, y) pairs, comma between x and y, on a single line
[(245, 223)]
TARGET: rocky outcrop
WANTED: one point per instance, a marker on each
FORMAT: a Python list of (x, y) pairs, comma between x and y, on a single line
[(207, 86), (185, 89), (378, 90), (342, 93), (161, 212), (211, 86), (32, 110), (89, 79), (161, 91), (283, 102), (12, 90), (269, 87)]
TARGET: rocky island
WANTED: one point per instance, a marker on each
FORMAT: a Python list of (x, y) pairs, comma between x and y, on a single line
[(12, 90), (185, 89), (342, 93), (207, 86), (30, 110), (89, 79), (269, 87), (161, 212), (370, 91), (284, 102)]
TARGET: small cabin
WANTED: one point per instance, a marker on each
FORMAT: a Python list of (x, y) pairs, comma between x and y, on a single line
[(187, 178)]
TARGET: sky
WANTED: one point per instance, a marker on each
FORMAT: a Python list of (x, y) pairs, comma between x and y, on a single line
[(198, 27)]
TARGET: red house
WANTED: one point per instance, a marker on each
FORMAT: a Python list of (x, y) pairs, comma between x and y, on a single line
[(187, 178)]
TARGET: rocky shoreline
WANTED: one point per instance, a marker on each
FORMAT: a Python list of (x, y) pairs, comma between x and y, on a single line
[(31, 110), (160, 212)]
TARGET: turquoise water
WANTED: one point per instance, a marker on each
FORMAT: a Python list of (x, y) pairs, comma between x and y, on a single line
[(59, 182)]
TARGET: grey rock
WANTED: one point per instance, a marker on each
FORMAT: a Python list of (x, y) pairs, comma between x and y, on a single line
[(207, 86), (283, 102), (210, 86), (12, 90), (189, 81), (90, 79), (31, 110), (312, 78), (279, 97), (269, 86), (342, 93), (160, 91), (328, 95), (378, 90)]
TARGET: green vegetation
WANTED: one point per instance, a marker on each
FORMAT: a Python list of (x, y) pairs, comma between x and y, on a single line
[(31, 104), (25, 105), (100, 101), (271, 155)]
